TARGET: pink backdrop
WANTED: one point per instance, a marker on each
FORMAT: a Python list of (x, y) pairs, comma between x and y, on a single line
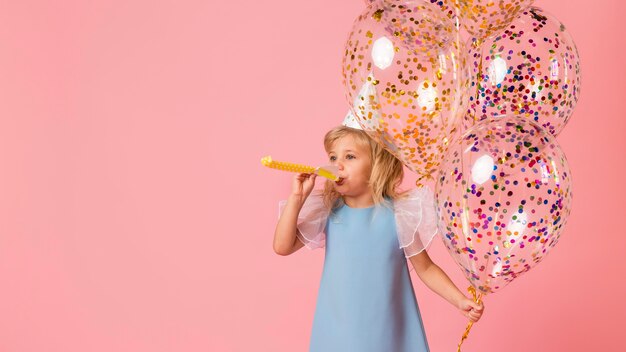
[(135, 214)]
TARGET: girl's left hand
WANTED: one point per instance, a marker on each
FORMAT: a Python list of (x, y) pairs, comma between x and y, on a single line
[(472, 310)]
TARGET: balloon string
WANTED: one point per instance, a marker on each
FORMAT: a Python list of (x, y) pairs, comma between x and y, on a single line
[(477, 299), (424, 177)]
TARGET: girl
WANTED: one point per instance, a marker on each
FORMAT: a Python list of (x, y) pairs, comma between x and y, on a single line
[(366, 300)]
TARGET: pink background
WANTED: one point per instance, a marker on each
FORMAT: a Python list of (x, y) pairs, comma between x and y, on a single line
[(135, 214)]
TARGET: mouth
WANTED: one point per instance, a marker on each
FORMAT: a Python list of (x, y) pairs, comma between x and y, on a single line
[(339, 182)]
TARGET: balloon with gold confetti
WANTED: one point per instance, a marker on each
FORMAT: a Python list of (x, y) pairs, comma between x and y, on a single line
[(445, 6), (504, 195), (404, 64), (484, 18), (531, 69)]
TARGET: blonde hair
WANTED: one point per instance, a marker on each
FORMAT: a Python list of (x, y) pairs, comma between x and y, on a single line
[(387, 171)]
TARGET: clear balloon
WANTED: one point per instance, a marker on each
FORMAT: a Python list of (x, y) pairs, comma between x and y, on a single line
[(448, 7), (504, 194), (484, 18), (531, 69), (407, 79)]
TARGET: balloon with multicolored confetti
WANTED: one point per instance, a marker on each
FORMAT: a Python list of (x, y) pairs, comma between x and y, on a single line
[(404, 68), (484, 18), (504, 194), (531, 69)]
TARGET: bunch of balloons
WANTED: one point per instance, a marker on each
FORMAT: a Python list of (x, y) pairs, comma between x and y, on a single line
[(472, 94)]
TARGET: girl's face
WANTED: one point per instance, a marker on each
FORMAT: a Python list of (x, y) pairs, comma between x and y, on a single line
[(354, 165)]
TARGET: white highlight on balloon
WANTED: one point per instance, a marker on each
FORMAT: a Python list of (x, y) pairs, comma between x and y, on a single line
[(426, 96), (555, 173), (497, 70), (534, 87), (548, 171), (519, 224), (497, 268), (482, 169), (443, 68), (382, 53), (554, 68)]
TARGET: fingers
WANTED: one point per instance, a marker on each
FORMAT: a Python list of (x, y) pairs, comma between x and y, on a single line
[(476, 306), (300, 178), (303, 183), (303, 176), (474, 314)]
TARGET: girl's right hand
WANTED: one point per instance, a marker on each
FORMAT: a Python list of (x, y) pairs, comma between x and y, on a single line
[(303, 185)]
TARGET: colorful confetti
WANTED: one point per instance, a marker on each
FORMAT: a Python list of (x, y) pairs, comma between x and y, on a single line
[(531, 69), (504, 194)]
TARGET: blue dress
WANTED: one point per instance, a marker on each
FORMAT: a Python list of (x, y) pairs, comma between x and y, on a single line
[(366, 300)]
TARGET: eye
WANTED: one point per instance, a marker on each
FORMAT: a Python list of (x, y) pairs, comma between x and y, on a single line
[(350, 156), (333, 158)]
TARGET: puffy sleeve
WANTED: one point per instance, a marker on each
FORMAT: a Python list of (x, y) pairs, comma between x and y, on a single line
[(311, 221), (416, 220)]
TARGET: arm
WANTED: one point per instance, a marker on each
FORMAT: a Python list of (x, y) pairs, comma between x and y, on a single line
[(285, 240), (437, 280)]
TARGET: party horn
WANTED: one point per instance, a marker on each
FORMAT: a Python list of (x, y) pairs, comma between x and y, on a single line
[(324, 171)]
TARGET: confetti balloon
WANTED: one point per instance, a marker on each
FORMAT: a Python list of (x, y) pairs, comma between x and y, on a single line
[(504, 194), (531, 69), (483, 18), (407, 79), (447, 7)]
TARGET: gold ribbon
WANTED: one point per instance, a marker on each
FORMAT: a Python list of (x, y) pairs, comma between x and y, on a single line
[(477, 299), (425, 177)]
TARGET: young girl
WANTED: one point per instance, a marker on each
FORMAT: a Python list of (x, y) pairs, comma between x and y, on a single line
[(366, 300)]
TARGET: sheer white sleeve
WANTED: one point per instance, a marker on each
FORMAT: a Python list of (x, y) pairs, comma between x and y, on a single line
[(416, 220), (311, 221)]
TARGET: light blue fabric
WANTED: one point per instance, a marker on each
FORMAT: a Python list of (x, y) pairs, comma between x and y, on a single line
[(366, 301)]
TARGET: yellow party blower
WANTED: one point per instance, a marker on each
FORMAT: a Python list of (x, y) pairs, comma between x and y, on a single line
[(324, 171)]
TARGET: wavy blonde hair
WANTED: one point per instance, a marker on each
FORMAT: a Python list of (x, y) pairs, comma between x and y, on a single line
[(387, 171)]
